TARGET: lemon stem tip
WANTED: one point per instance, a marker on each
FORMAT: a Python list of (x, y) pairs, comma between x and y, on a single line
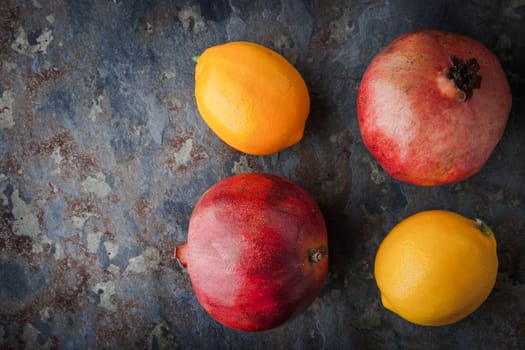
[(483, 227), (196, 58)]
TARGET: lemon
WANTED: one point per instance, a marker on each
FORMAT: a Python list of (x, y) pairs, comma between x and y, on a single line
[(251, 97), (436, 267)]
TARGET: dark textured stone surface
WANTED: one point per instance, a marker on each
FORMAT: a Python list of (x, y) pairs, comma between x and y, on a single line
[(103, 155)]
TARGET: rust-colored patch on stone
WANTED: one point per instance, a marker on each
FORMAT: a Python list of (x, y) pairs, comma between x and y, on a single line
[(177, 142), (142, 208), (158, 225), (46, 147), (70, 283), (34, 82), (74, 161), (8, 23), (36, 85), (11, 243), (118, 329), (41, 217), (9, 164), (198, 154), (66, 290), (184, 154), (6, 226), (81, 207)]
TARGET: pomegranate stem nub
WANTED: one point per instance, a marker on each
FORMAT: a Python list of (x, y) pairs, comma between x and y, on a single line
[(316, 254), (180, 253)]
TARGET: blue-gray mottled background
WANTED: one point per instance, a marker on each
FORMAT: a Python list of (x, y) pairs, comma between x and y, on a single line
[(103, 155)]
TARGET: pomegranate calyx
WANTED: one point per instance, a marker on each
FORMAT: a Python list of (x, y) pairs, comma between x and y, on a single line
[(317, 254), (464, 74)]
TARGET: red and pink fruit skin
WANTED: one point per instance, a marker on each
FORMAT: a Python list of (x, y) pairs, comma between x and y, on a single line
[(247, 254), (410, 117)]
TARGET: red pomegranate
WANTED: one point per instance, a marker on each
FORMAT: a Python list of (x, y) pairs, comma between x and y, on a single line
[(257, 251), (432, 106)]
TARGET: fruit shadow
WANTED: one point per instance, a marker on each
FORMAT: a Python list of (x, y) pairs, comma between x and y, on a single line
[(329, 149)]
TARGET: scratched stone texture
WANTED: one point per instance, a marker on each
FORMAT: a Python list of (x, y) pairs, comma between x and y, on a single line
[(103, 156)]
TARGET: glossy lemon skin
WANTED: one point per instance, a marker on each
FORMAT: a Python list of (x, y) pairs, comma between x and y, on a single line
[(251, 97), (435, 268)]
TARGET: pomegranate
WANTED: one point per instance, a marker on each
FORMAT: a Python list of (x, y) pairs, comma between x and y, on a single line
[(432, 106), (257, 251)]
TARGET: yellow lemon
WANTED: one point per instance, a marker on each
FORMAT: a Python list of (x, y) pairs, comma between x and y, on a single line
[(251, 97), (436, 267)]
